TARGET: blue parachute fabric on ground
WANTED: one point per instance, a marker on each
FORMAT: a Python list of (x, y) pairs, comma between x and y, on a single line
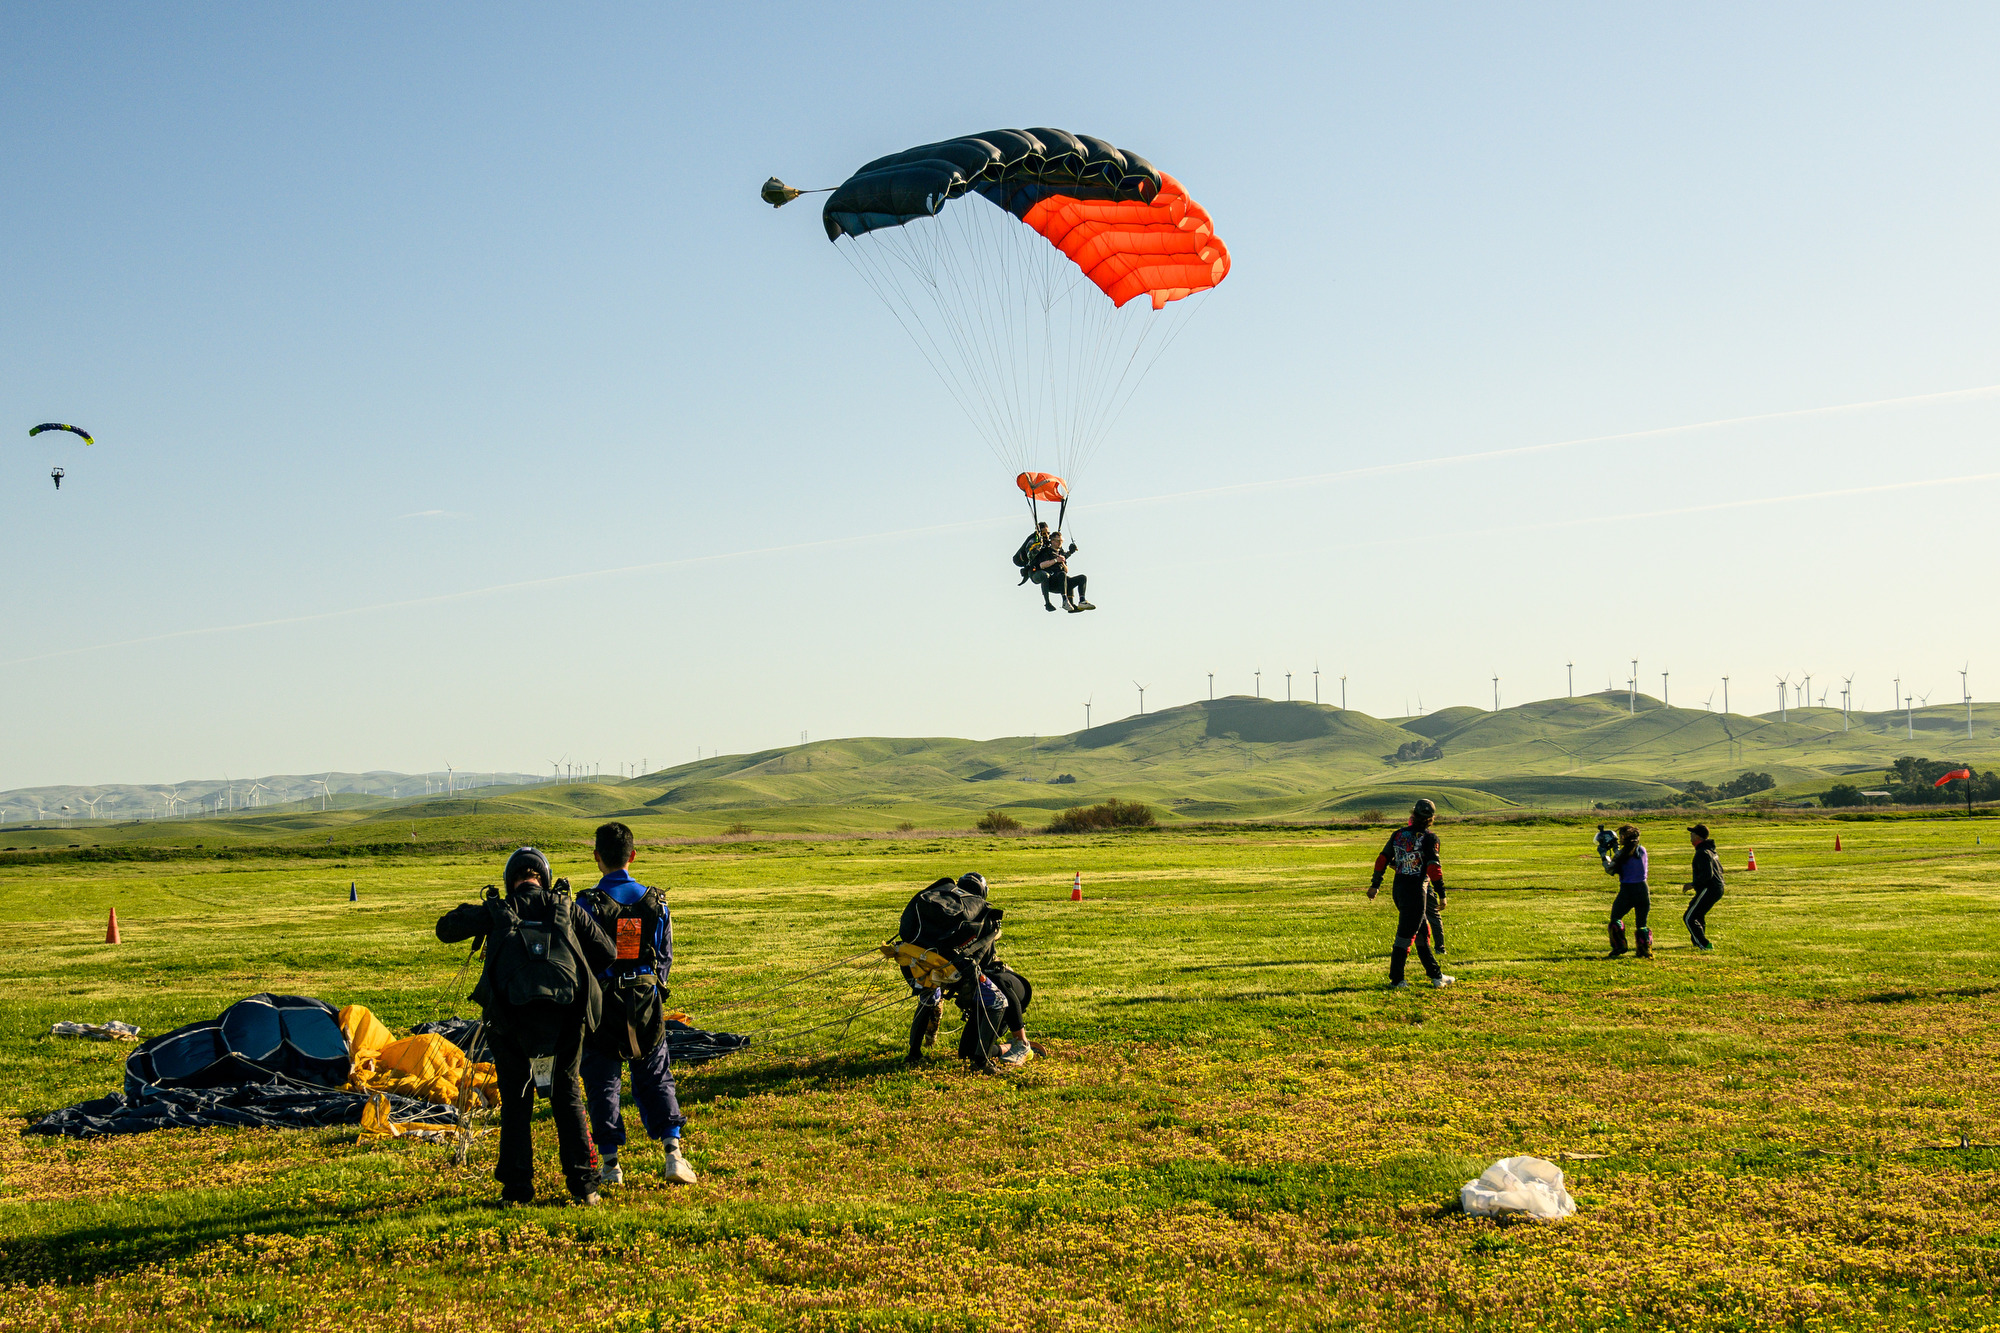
[(278, 1104), (260, 1039), (691, 1046), (456, 1030), (686, 1045)]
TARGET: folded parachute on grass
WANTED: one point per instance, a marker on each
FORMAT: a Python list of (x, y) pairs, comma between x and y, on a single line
[(291, 1062)]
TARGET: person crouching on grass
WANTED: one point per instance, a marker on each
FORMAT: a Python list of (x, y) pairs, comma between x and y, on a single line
[(1707, 886), (1413, 851), (1629, 864), (634, 1025)]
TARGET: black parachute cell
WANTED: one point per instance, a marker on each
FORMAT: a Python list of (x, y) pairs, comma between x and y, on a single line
[(1015, 169)]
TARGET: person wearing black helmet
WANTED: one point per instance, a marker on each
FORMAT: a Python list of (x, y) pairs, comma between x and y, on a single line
[(1413, 851), (538, 995)]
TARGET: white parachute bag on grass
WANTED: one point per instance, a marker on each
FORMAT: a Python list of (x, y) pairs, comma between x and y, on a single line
[(1518, 1187)]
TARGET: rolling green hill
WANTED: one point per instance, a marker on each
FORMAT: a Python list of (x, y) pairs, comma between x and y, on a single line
[(1232, 759)]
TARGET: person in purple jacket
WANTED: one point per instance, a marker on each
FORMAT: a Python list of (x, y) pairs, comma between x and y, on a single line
[(1628, 862)]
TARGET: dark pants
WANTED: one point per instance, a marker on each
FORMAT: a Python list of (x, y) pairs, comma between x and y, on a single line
[(516, 1167), (1434, 918), (1696, 916), (652, 1088), (1634, 898), (1638, 900), (1412, 899)]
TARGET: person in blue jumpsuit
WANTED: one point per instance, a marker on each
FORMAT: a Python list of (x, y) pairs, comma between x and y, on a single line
[(1628, 862), (633, 1029)]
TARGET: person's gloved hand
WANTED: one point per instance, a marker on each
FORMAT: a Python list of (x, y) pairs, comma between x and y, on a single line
[(1374, 888)]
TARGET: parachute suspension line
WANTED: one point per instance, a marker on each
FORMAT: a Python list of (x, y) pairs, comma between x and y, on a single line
[(1036, 357)]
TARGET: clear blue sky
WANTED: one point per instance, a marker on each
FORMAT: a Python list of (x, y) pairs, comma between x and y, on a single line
[(371, 305)]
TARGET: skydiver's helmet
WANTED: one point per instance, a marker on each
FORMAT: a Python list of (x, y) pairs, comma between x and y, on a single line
[(526, 861), (1607, 841), (973, 882)]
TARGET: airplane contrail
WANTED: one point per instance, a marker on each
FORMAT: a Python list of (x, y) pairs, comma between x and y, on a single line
[(1715, 507), (1312, 479), (1520, 451)]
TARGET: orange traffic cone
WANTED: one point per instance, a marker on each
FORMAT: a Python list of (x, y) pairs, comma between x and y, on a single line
[(1076, 888), (1836, 842), (1753, 860), (111, 929)]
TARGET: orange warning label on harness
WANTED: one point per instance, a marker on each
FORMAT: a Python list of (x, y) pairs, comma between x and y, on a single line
[(628, 936)]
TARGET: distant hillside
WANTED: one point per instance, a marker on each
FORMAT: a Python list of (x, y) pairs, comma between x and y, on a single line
[(222, 795), (1234, 758)]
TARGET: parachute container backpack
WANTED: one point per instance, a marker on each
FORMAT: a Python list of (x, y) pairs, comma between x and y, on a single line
[(1040, 273)]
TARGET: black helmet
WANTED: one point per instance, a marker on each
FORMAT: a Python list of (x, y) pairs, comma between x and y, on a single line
[(1424, 810), (527, 861), (973, 882)]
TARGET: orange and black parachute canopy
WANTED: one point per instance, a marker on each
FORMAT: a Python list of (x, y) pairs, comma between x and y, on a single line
[(1130, 227), (1043, 486)]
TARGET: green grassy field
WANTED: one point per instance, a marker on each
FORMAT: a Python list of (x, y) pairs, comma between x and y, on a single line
[(1236, 1125)]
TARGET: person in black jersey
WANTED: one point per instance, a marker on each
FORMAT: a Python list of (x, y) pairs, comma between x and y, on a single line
[(1413, 851), (1706, 888)]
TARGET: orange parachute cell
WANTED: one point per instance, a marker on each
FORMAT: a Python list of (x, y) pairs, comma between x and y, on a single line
[(1042, 486), (1166, 248)]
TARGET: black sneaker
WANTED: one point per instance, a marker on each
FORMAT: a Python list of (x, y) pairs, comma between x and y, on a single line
[(523, 1194)]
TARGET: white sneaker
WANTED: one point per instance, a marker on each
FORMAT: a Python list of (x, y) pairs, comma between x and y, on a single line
[(1440, 981), (611, 1175), (1017, 1053), (676, 1169)]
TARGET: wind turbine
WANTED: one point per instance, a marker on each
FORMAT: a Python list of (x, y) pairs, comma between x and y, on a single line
[(1665, 699), (1211, 687), (1708, 704), (1496, 691), (1343, 694), (325, 790), (1808, 689), (1725, 696), (255, 799), (1784, 692), (1258, 676), (1086, 713), (1964, 688), (1571, 667), (1142, 698), (1288, 687), (1315, 682), (91, 801), (1909, 724), (1634, 683)]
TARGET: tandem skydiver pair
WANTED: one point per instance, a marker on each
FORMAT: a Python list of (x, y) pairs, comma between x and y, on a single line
[(570, 991)]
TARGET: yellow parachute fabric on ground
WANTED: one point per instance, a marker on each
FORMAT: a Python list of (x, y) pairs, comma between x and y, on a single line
[(364, 1032), (427, 1067)]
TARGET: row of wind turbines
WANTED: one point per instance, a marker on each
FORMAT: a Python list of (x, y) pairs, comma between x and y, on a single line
[(1791, 694)]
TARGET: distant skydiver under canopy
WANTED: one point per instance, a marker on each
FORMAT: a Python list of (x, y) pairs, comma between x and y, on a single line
[(56, 473)]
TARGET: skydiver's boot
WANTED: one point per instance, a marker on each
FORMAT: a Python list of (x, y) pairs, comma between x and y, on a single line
[(1617, 940), (1645, 942), (923, 1031)]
